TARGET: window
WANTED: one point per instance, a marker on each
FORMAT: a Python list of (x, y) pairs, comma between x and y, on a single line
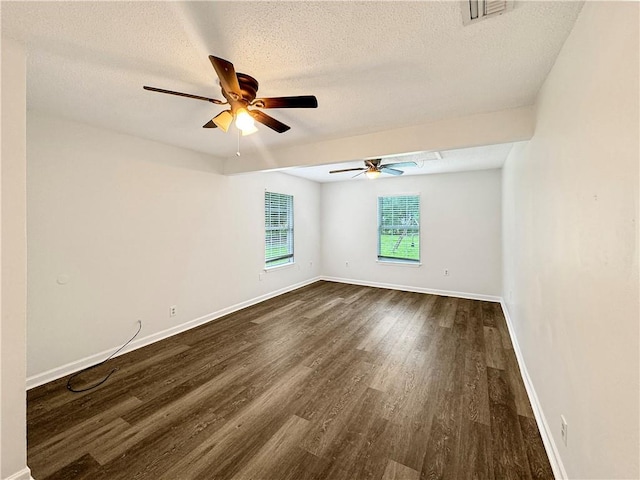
[(399, 228), (278, 223)]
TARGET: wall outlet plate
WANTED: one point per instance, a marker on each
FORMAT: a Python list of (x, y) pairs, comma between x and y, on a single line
[(563, 429), (173, 309)]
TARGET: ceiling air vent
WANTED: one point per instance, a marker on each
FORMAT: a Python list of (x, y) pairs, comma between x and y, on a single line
[(431, 156), (476, 10)]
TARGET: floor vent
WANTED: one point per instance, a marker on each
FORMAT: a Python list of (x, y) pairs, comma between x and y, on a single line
[(476, 10)]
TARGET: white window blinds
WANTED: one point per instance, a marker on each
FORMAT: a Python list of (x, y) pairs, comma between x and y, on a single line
[(278, 221), (399, 228)]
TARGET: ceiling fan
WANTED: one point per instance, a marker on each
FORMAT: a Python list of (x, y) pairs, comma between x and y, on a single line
[(239, 90), (373, 169)]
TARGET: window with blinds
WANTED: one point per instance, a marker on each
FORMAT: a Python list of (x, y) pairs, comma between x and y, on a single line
[(278, 222), (399, 228)]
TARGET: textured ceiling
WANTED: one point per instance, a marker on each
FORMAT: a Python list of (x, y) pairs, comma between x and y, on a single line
[(373, 65), (464, 159)]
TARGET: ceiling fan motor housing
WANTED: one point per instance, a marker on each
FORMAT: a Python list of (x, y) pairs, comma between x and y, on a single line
[(248, 86)]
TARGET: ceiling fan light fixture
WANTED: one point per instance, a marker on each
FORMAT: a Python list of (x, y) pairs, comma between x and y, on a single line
[(223, 120), (245, 122), (372, 174), (249, 131)]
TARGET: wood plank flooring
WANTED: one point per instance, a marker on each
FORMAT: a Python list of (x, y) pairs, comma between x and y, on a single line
[(331, 381)]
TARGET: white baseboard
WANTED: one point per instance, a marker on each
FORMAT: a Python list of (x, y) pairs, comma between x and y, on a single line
[(69, 368), (543, 426), (24, 474), (406, 288)]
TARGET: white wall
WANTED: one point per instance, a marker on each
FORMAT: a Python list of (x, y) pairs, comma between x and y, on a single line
[(570, 245), (135, 226), (13, 434), (460, 231)]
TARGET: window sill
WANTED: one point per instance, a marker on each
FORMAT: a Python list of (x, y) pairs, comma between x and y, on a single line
[(279, 267), (399, 263)]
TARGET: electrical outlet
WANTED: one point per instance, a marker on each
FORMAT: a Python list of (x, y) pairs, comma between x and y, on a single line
[(446, 272), (563, 429), (173, 309)]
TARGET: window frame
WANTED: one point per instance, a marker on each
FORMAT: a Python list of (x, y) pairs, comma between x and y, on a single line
[(289, 257), (384, 259)]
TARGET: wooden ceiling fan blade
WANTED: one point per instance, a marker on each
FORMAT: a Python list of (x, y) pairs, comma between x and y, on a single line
[(347, 170), (391, 171), (302, 101), (180, 94), (223, 120), (401, 164), (227, 75), (269, 121), (210, 124)]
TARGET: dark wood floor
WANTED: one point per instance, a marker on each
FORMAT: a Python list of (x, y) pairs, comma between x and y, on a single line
[(330, 381)]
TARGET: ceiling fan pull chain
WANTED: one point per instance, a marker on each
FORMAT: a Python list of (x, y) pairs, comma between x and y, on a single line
[(238, 150)]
